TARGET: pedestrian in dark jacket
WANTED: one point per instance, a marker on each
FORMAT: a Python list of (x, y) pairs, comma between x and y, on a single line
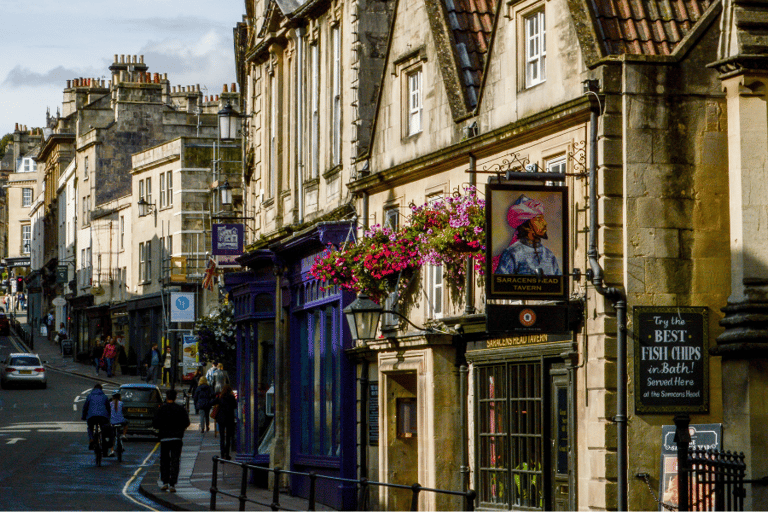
[(171, 420), (153, 361), (96, 352), (203, 397), (225, 419), (96, 410)]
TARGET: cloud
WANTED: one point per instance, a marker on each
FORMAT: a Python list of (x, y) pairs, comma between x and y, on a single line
[(24, 77)]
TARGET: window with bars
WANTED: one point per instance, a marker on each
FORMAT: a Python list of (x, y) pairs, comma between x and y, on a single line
[(535, 48), (510, 431)]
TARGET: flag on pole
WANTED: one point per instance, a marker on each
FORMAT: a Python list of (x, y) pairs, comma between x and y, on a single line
[(210, 271)]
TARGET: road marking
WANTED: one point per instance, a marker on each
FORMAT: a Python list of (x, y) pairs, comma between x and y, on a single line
[(45, 426), (15, 440), (136, 473)]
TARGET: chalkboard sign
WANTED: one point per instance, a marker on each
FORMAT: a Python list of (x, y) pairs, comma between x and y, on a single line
[(671, 360), (373, 413)]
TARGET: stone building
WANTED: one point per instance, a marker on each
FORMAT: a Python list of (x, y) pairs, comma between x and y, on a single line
[(308, 72), (89, 207), (653, 119)]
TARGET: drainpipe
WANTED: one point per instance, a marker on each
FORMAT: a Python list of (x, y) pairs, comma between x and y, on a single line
[(619, 302), (463, 410)]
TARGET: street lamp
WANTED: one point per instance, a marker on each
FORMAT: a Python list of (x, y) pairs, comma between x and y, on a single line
[(229, 123), (145, 208), (225, 194), (363, 318)]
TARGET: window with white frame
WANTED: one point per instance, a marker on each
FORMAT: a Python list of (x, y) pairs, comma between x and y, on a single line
[(557, 165), (535, 48), (148, 190), (169, 188), (26, 239), (89, 261), (336, 91), (26, 197), (273, 135), (85, 168), (392, 218), (122, 232), (98, 269), (415, 93), (141, 190), (148, 260), (142, 261), (162, 190), (433, 276), (314, 94)]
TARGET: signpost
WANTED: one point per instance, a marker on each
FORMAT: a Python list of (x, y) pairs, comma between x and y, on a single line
[(671, 360)]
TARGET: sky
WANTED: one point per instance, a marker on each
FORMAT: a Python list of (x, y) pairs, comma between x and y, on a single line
[(44, 43)]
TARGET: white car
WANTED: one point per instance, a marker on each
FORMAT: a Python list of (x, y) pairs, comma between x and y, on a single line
[(20, 368)]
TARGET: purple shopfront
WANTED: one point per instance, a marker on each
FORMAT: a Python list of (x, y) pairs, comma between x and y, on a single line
[(295, 354)]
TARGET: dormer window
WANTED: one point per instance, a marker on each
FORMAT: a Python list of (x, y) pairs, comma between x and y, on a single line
[(535, 48)]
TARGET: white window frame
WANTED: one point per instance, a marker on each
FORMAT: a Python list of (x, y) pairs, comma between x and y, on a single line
[(415, 100), (169, 188), (314, 94), (148, 190), (142, 262), (122, 232), (162, 190), (26, 239), (141, 190), (435, 290), (148, 261), (535, 48), (85, 168), (26, 197), (336, 92), (273, 135)]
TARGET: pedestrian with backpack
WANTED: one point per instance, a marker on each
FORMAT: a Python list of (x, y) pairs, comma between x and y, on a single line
[(203, 397)]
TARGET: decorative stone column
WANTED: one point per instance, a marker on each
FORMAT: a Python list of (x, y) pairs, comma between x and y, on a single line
[(744, 343)]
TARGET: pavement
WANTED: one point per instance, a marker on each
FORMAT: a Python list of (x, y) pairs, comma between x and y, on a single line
[(196, 469)]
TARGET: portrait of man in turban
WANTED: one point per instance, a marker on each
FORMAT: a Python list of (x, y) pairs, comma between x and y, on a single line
[(526, 254)]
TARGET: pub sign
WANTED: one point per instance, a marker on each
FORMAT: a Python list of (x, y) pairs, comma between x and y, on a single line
[(527, 241), (671, 360), (227, 239)]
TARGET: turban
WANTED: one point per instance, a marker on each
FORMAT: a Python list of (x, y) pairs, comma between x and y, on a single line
[(522, 210)]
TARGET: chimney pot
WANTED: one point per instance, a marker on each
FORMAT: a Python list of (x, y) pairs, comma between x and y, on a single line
[(122, 59), (115, 61), (69, 84), (141, 59), (225, 88), (233, 88)]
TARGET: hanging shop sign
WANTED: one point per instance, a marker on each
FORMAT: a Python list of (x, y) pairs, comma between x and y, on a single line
[(527, 241), (526, 319), (62, 274), (671, 360), (227, 239), (708, 436)]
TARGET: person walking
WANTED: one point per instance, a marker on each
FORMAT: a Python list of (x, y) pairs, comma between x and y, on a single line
[(110, 354), (152, 362), (171, 420), (203, 397), (225, 420), (96, 352), (167, 365), (220, 379), (194, 383)]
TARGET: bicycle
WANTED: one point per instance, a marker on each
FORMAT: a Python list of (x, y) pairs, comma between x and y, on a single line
[(98, 443), (119, 449)]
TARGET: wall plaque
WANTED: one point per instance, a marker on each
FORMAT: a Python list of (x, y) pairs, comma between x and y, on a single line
[(671, 360)]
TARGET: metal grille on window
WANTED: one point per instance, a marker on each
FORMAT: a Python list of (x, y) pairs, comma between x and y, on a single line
[(510, 435)]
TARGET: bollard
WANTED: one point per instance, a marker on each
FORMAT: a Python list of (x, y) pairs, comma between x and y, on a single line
[(214, 482), (276, 490), (243, 485), (416, 488), (312, 484), (683, 439), (470, 502)]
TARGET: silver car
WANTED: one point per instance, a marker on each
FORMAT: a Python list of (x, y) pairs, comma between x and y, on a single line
[(22, 368)]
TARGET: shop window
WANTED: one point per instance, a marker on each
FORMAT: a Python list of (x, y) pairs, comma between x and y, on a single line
[(510, 435), (320, 381)]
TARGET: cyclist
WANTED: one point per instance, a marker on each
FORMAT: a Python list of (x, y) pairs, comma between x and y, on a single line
[(116, 418), (96, 410)]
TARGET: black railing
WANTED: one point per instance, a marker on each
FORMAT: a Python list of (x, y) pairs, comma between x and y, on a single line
[(716, 480), (363, 486), (23, 334)]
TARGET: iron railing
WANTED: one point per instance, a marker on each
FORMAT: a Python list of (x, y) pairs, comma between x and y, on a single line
[(715, 480), (363, 486)]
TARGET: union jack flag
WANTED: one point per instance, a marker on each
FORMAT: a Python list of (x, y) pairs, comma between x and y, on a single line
[(210, 272)]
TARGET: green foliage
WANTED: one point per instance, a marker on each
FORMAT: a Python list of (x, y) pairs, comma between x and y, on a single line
[(8, 137), (216, 337)]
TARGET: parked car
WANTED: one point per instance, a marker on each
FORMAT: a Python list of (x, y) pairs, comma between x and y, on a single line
[(5, 324), (140, 401), (23, 368)]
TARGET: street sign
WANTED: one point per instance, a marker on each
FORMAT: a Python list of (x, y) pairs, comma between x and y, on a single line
[(182, 307), (59, 301)]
